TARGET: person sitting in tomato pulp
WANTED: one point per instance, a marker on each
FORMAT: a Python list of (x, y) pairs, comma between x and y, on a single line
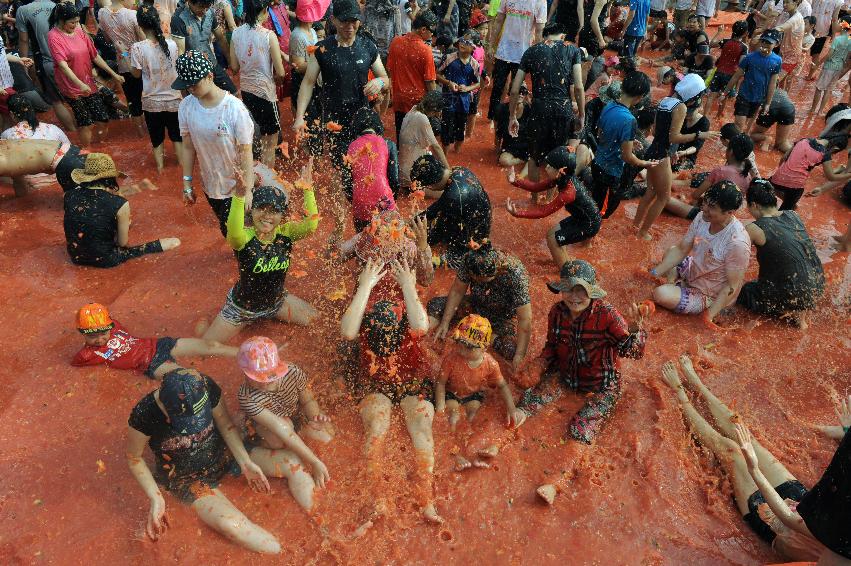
[(107, 342)]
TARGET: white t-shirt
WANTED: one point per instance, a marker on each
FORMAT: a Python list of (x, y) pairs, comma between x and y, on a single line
[(404, 25), (805, 8), (158, 73), (251, 46), (517, 31), (216, 136), (415, 137), (823, 11), (6, 79), (713, 254), (120, 27), (44, 131)]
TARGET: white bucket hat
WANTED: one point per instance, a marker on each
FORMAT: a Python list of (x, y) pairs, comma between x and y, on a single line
[(690, 86)]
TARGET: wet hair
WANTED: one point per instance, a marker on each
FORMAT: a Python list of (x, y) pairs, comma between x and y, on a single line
[(251, 11), (692, 17), (616, 46), (646, 117), (63, 12), (384, 331), (810, 20), (444, 40), (725, 195), (635, 83), (109, 183), (427, 170), (553, 28), (367, 119), (729, 131), (149, 20), (425, 19), (23, 110), (761, 192), (740, 28), (626, 65), (483, 262), (741, 146), (836, 142), (431, 102)]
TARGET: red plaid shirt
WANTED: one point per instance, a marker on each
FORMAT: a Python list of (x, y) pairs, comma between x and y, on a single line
[(585, 351)]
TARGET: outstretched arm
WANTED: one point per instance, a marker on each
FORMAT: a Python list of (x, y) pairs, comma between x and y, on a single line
[(157, 520)]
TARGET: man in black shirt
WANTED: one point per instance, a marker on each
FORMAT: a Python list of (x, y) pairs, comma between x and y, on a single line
[(556, 70)]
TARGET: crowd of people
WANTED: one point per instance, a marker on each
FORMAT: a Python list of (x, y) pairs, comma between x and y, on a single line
[(574, 124)]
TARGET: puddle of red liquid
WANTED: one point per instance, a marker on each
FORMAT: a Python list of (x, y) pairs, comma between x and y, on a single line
[(645, 493)]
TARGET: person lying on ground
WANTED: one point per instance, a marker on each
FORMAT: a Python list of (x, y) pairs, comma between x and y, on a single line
[(108, 343), (195, 444)]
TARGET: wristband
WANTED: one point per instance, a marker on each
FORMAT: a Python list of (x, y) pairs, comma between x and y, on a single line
[(187, 178), (188, 191), (845, 429), (653, 272)]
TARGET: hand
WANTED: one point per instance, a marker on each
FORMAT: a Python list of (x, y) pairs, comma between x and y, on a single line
[(255, 477), (601, 43), (447, 18), (517, 362), (708, 322), (815, 192), (488, 80), (743, 435), (306, 175), (516, 417), (299, 127), (511, 207), (419, 225), (319, 472), (119, 79), (843, 411), (651, 163), (241, 187), (403, 273), (188, 196), (512, 174), (635, 313), (85, 89), (374, 87), (441, 331), (721, 28), (26, 61), (671, 376), (513, 127), (157, 519), (371, 274)]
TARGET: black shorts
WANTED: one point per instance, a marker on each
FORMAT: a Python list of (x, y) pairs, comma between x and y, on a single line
[(745, 108), (264, 112), (162, 355), (133, 91), (604, 189), (572, 230), (452, 127), (818, 46), (89, 109), (658, 14), (221, 208), (793, 490), (780, 118), (477, 396), (72, 160), (474, 103), (550, 125), (789, 196), (719, 81), (158, 123)]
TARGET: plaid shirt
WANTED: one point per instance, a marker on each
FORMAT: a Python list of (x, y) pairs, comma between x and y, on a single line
[(585, 351)]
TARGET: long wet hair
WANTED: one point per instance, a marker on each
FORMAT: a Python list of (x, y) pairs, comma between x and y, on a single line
[(63, 12), (23, 110), (252, 9), (741, 146), (149, 20)]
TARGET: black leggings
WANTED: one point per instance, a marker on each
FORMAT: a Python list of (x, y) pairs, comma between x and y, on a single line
[(502, 70), (790, 197), (133, 91), (158, 123), (221, 208), (120, 255)]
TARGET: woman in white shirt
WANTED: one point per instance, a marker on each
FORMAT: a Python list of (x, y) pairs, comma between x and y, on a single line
[(154, 60), (255, 54)]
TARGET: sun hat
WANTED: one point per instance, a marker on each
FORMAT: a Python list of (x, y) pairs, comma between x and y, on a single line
[(311, 10), (186, 399), (259, 360), (273, 197), (191, 67), (93, 318), (473, 330), (691, 86), (97, 166), (347, 11), (577, 272)]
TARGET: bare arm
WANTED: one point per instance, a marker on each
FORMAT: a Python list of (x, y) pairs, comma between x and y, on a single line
[(277, 56), (734, 80), (524, 333), (677, 119), (756, 233), (769, 95), (103, 65), (595, 22), (440, 390), (496, 32), (234, 61), (352, 318), (181, 44), (538, 33), (683, 249), (305, 92), (453, 301), (735, 279), (157, 522), (416, 313), (66, 70), (830, 173), (252, 472), (630, 158), (122, 237), (23, 44), (579, 96)]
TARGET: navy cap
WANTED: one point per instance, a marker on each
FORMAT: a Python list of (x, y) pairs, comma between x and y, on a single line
[(186, 399)]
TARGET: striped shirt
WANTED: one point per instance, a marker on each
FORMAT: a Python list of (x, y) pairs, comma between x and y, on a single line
[(282, 401)]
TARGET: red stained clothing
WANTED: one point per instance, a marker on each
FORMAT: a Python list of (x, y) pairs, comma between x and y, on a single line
[(78, 51), (463, 380), (368, 156), (563, 198), (585, 351), (122, 351), (408, 363), (411, 64), (731, 51)]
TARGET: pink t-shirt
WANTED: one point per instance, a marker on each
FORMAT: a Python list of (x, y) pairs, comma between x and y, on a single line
[(78, 51), (730, 173), (794, 172), (368, 157), (712, 255)]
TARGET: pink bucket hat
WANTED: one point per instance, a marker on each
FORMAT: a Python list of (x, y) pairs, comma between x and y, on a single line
[(258, 359), (311, 10)]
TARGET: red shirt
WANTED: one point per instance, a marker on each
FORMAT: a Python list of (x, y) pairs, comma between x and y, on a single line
[(410, 63), (123, 351), (731, 51), (408, 363), (463, 380), (585, 351)]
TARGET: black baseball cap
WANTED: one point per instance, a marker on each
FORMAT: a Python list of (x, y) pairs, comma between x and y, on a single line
[(770, 36), (347, 11), (273, 197), (186, 398), (191, 67)]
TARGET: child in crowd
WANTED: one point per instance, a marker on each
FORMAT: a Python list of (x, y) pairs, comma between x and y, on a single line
[(758, 73), (733, 50), (834, 65), (700, 62), (610, 73), (464, 374), (460, 75), (107, 342), (513, 151), (790, 178)]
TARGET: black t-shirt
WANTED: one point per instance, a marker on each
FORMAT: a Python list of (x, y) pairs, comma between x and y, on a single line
[(695, 38), (702, 68), (566, 16), (551, 67), (90, 225), (826, 508), (345, 71), (262, 271), (181, 459), (701, 125), (461, 214)]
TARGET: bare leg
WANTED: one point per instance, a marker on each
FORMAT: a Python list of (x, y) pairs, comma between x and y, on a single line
[(178, 151), (375, 415), (557, 251), (297, 311), (158, 157), (660, 178), (285, 464), (268, 144), (534, 175), (199, 347), (220, 514), (471, 409), (453, 413), (419, 415), (843, 242), (508, 160), (667, 296), (221, 330), (781, 138), (65, 117), (678, 208), (85, 136)]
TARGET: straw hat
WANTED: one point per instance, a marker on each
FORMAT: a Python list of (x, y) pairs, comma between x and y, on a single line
[(98, 166)]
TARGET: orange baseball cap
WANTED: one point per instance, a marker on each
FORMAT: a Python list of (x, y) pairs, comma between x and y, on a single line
[(474, 330), (93, 318)]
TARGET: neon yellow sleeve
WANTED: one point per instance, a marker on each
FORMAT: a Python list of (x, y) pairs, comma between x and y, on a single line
[(238, 235), (307, 225)]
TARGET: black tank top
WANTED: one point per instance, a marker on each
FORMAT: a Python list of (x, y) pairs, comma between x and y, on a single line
[(90, 226), (661, 146)]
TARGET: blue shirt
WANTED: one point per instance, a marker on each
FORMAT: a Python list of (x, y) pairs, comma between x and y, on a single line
[(462, 74), (615, 126), (638, 25), (758, 72)]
